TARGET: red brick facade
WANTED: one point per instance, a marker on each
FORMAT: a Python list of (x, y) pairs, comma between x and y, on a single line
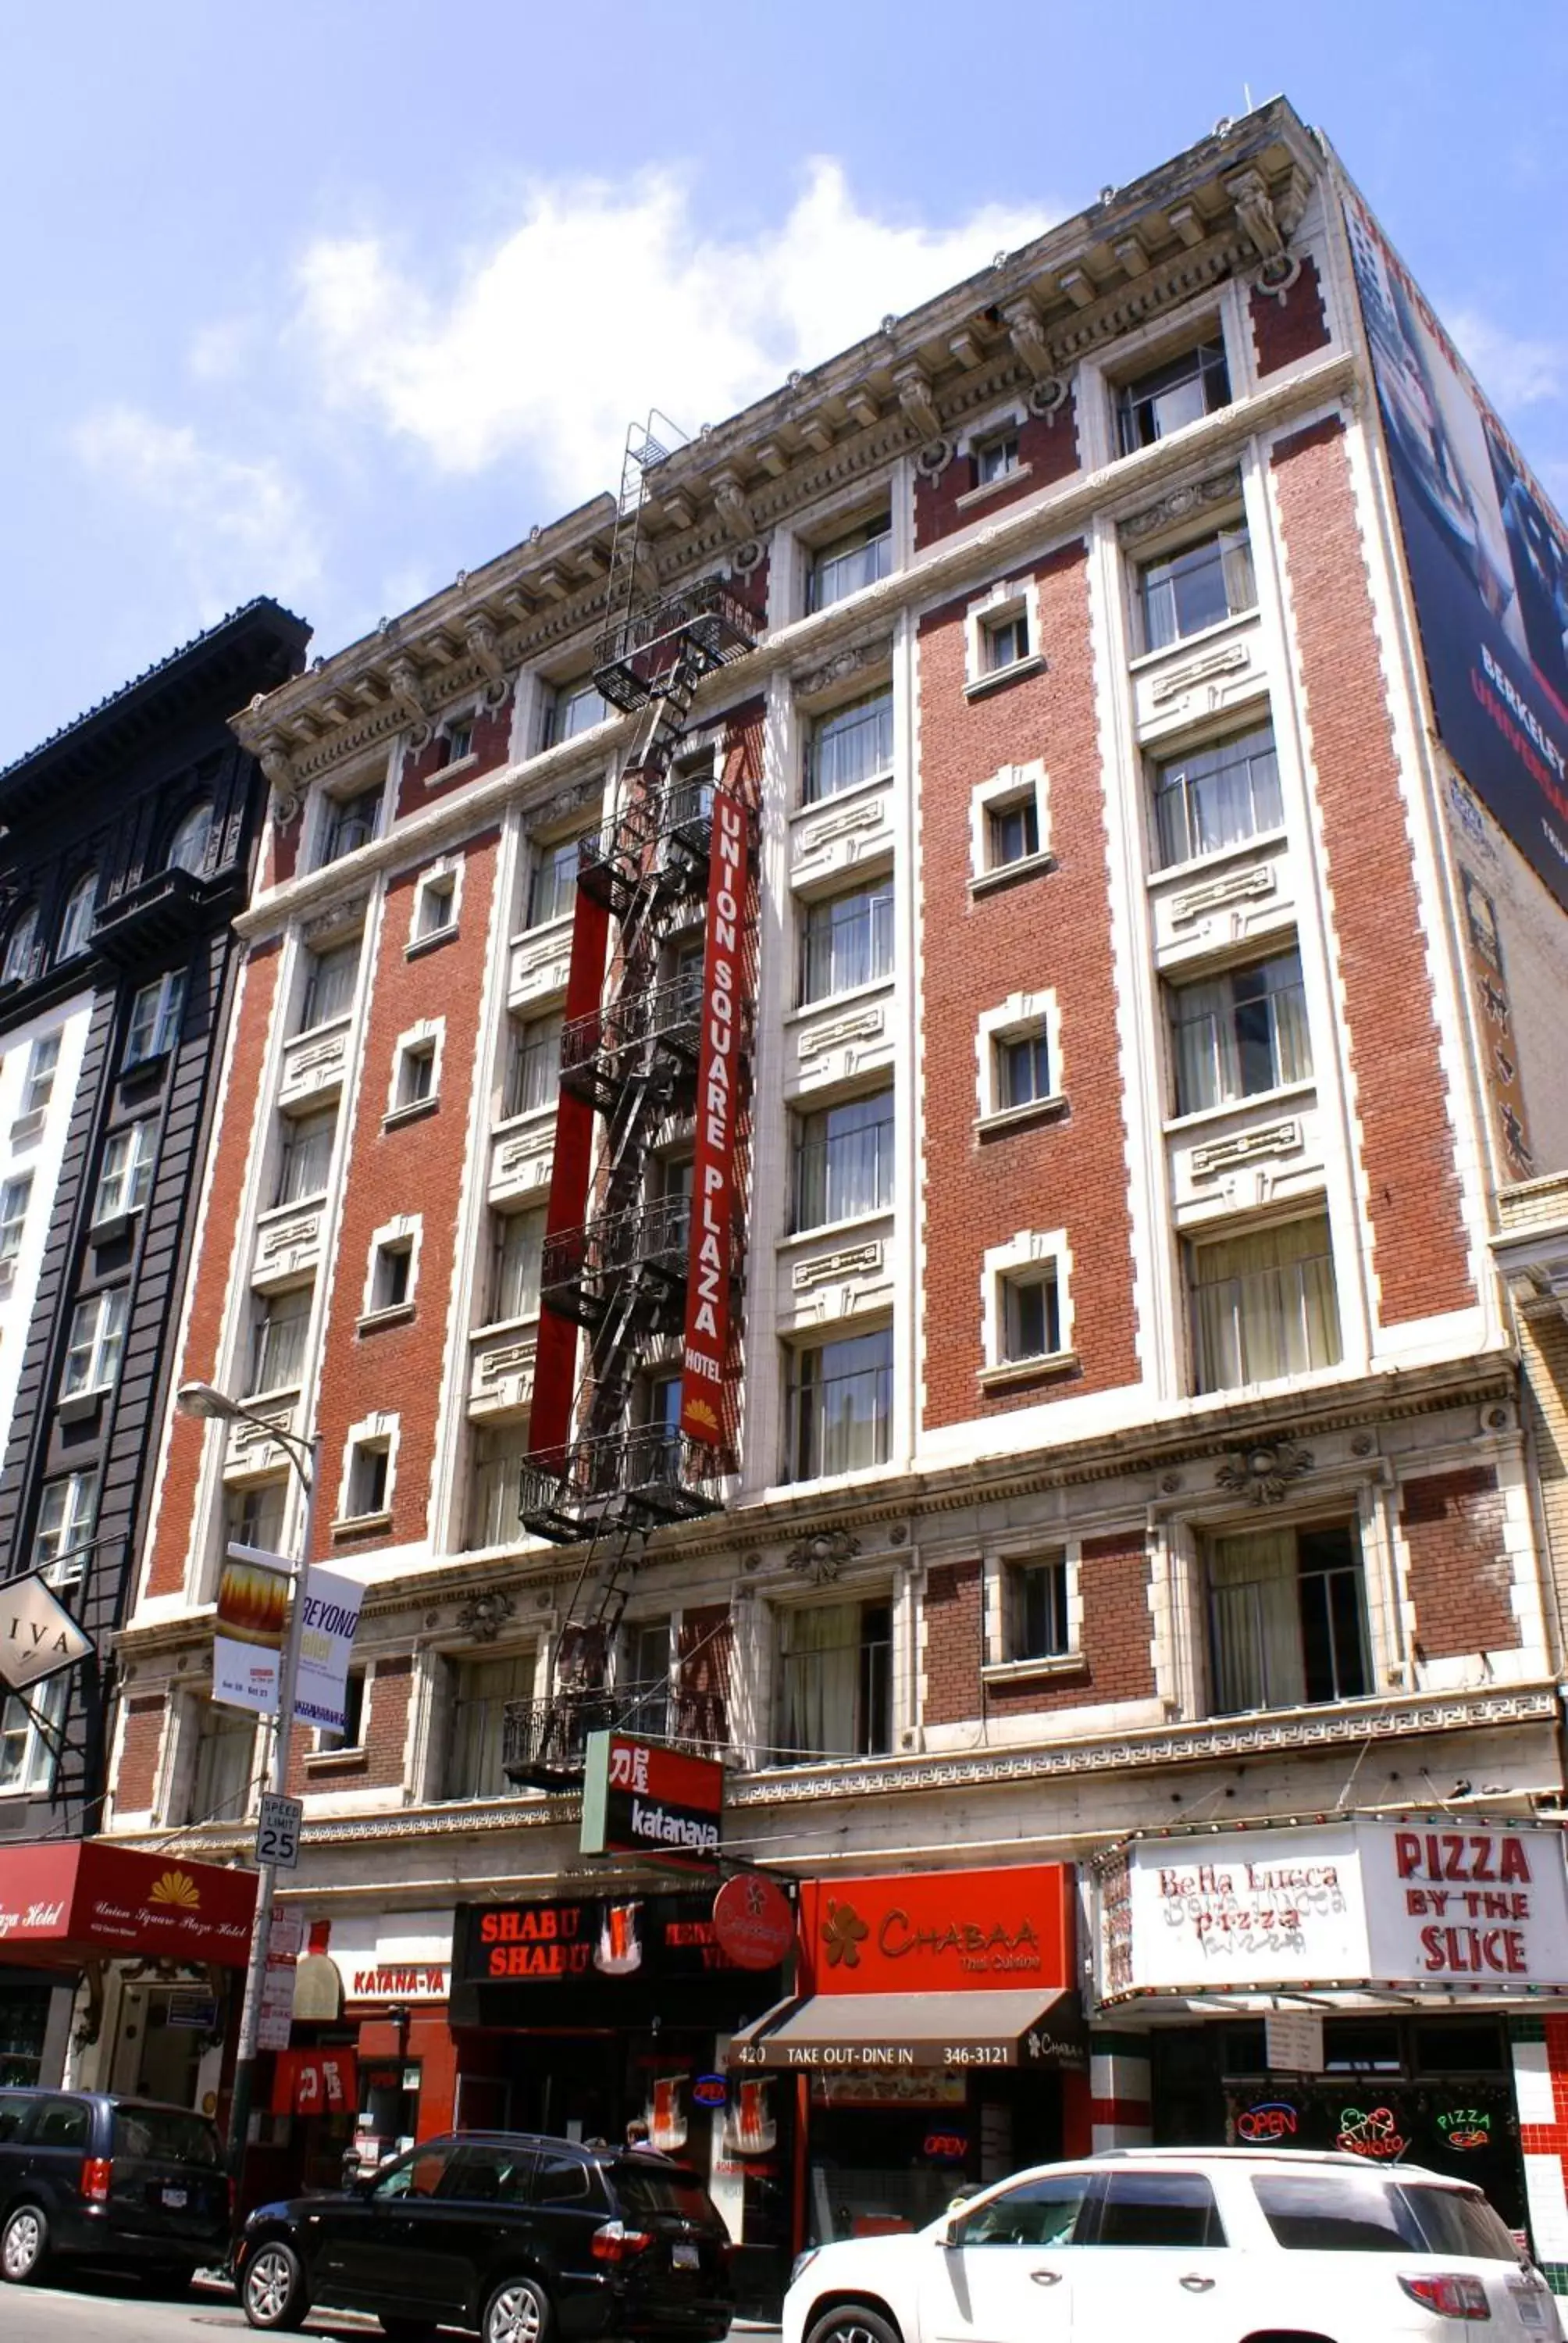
[(1046, 452), (1418, 1246), (1459, 1573), (136, 1774), (1115, 1647), (1050, 932), (429, 773), (1289, 325)]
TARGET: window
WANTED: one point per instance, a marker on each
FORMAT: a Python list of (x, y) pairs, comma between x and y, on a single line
[(1286, 1619), (306, 1157), (1345, 2213), (42, 1064), (415, 1082), (854, 744), (642, 1680), (17, 964), (254, 1516), (352, 822), (1217, 795), (533, 1066), (841, 1404), (844, 1161), (126, 1174), (1182, 593), (835, 1681), (436, 913), (76, 924), (391, 1274), (576, 707), (353, 1733), (98, 1338), (1004, 641), (658, 1415), (996, 457), (1013, 831), (1263, 1306), (1239, 1033), (13, 1199), (1038, 1625), (553, 887), (155, 1025), (188, 845), (846, 941), (1158, 2208), (29, 1736), (1039, 2213), (519, 1246), (224, 1762), (277, 1341), (1023, 1069), (369, 1465), (481, 1690), (495, 1498), (1030, 1317), (1172, 395), (856, 560), (67, 1516), (330, 983), (457, 741)]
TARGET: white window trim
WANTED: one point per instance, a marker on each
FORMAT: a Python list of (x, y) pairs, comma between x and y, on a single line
[(371, 1432), (1030, 1249), (999, 1665), (1010, 597), (429, 1030), (1008, 421), (329, 803), (1010, 1021), (406, 1230), (102, 1305), (449, 867), (1008, 785)]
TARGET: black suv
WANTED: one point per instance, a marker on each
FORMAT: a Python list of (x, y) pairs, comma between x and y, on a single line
[(89, 2176), (523, 2238)]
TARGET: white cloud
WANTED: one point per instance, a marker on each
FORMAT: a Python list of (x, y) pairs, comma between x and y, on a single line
[(1511, 369), (240, 525), (604, 300)]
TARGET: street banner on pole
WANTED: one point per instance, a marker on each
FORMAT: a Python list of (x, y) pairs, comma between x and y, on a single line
[(331, 1622), (247, 1638)]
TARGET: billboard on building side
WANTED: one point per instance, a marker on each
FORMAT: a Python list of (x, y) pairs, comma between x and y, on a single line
[(714, 1167), (1488, 560)]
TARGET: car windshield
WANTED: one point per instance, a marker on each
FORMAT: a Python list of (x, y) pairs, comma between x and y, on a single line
[(167, 2135), (664, 2188), (1343, 2212)]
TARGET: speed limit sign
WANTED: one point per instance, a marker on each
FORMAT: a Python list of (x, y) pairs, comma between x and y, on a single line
[(277, 1830)]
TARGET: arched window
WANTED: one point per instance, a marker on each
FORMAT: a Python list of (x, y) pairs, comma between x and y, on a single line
[(187, 848), (76, 927), (19, 943)]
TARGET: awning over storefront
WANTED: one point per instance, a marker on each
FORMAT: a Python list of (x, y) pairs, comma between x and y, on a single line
[(899, 2031), (83, 1900)]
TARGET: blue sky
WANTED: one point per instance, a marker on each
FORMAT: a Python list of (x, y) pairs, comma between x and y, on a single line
[(331, 301)]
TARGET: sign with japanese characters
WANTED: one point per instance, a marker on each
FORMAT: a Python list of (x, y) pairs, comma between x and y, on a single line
[(641, 1797), (1428, 1903)]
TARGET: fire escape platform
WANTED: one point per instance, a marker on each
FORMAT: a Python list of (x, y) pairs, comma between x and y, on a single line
[(708, 624)]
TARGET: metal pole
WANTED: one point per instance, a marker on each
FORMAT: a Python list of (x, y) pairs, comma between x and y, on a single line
[(255, 1972)]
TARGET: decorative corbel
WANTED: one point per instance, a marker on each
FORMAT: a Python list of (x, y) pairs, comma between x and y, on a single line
[(733, 509), (404, 679), (1027, 335), (484, 644), (915, 398), (861, 404), (278, 771), (1255, 210)]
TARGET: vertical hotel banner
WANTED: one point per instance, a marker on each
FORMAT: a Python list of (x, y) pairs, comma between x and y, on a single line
[(713, 1176), (1488, 559)]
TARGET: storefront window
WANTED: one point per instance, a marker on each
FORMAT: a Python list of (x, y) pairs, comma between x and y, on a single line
[(24, 2015)]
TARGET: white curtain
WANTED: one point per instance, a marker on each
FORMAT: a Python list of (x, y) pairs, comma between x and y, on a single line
[(820, 1680), (1255, 1605), (1264, 1305)]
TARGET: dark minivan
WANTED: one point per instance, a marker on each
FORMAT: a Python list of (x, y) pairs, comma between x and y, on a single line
[(520, 2236), (89, 2176)]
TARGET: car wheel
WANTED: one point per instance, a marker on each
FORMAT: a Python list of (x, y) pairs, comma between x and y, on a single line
[(272, 2287), (853, 2322), (518, 2311), (24, 2245)]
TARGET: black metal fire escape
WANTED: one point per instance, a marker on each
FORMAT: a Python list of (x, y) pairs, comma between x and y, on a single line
[(622, 1275)]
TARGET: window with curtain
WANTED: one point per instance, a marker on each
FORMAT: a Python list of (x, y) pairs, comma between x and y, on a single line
[(642, 1676), (29, 1734), (853, 744), (352, 822), (14, 1197), (331, 979), (278, 1342), (552, 891), (495, 1492), (223, 1774), (1037, 1609), (155, 1025), (1287, 1619), (43, 1064), (1183, 592), (1263, 1306), (840, 1401), (1217, 795), (96, 1339), (188, 845), (306, 1157), (20, 947), (846, 941), (126, 1174), (77, 925), (859, 558), (481, 1690), (835, 1681), (67, 1516), (1241, 1032), (533, 1066), (254, 1516), (844, 1161), (519, 1253), (576, 707)]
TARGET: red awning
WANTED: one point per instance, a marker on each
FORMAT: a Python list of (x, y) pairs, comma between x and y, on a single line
[(83, 1900)]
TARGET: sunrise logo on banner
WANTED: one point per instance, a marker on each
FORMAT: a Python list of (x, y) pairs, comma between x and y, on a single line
[(713, 1178)]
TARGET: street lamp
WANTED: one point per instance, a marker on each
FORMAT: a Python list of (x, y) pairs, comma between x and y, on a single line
[(206, 1402)]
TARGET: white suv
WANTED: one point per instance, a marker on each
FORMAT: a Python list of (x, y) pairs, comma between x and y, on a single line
[(1215, 2245)]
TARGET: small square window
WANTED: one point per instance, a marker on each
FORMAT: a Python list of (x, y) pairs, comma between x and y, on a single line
[(331, 979), (1031, 1317), (438, 911), (416, 1074), (996, 457), (13, 1199), (459, 741), (351, 823), (858, 559), (1038, 1623), (576, 707), (155, 1025), (1004, 641), (552, 889), (1023, 1069), (126, 1174), (368, 1467), (39, 1087), (391, 1276), (1014, 831)]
